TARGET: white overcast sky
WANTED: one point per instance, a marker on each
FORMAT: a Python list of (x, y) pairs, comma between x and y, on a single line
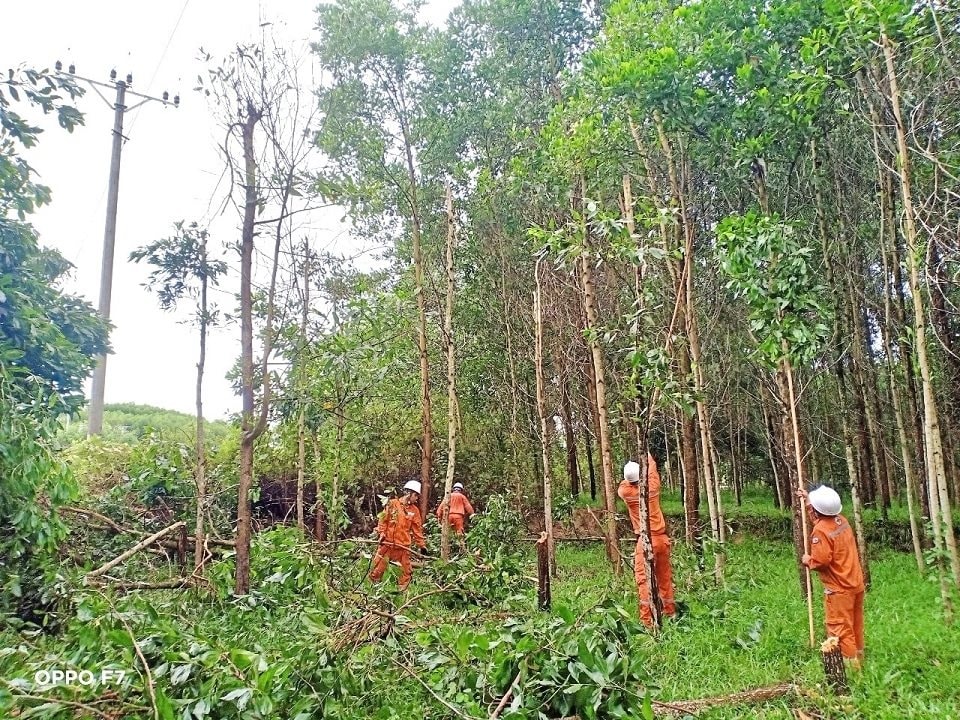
[(170, 166)]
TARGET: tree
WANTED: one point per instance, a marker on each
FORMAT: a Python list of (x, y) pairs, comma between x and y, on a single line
[(372, 50), (257, 87), (183, 269), (48, 342)]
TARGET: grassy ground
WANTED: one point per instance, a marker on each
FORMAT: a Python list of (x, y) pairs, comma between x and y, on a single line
[(753, 632), (273, 654)]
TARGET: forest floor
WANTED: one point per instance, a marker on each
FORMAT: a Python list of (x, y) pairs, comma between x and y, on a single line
[(315, 640)]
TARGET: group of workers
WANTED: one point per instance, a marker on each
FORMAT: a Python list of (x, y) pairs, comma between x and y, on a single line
[(832, 553), (401, 527)]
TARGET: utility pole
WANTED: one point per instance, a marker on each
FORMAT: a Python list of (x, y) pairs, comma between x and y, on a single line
[(122, 87)]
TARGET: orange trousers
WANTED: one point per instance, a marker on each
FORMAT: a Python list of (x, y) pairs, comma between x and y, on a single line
[(844, 618), (456, 522), (664, 573), (387, 552)]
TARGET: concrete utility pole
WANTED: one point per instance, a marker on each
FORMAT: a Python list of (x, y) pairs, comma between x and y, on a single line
[(122, 88)]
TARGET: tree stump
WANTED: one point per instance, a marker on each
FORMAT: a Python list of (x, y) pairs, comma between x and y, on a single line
[(543, 573), (833, 666)]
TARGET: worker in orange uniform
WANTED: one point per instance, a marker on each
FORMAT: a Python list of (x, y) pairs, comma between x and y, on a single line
[(400, 526), (629, 491), (460, 508), (833, 554)]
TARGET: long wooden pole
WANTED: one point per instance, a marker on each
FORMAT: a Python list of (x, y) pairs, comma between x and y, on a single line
[(803, 505)]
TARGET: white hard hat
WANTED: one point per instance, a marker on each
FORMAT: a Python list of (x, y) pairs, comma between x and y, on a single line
[(631, 472), (413, 485), (825, 500), (458, 486)]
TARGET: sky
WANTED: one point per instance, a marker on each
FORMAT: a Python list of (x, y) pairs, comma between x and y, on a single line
[(170, 168)]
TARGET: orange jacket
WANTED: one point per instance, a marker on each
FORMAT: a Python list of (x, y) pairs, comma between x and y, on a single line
[(459, 505), (630, 493), (833, 554), (398, 522)]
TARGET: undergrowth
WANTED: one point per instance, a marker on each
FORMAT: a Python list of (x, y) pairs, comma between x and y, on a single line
[(316, 640)]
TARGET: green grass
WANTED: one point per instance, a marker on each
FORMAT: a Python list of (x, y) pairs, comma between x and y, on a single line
[(753, 632), (750, 633)]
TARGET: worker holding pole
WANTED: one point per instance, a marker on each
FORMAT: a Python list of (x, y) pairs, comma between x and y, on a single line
[(629, 491), (833, 555)]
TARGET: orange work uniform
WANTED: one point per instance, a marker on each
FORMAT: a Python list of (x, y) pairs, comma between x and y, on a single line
[(400, 525), (833, 554), (460, 508), (630, 493)]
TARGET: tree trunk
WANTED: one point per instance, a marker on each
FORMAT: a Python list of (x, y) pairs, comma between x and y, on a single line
[(906, 451), (791, 427), (544, 420), (242, 579), (301, 419), (334, 514), (451, 384), (570, 440), (851, 472), (426, 449), (606, 452), (201, 472), (514, 385), (703, 422), (595, 421), (588, 442), (941, 512)]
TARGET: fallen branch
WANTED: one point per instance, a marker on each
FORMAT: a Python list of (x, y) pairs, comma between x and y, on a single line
[(146, 666), (89, 709), (506, 697), (746, 697), (99, 516), (134, 550)]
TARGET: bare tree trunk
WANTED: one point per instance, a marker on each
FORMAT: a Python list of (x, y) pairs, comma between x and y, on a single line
[(770, 432), (544, 420), (335, 485), (606, 452), (852, 473), (570, 440), (703, 421), (588, 442), (301, 419), (800, 510), (426, 449), (247, 439), (942, 516), (201, 471), (595, 421), (451, 384), (906, 451)]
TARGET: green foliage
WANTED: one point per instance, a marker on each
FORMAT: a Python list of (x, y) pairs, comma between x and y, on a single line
[(568, 663), (305, 644), (775, 271), (182, 268), (35, 483), (48, 341), (47, 92)]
